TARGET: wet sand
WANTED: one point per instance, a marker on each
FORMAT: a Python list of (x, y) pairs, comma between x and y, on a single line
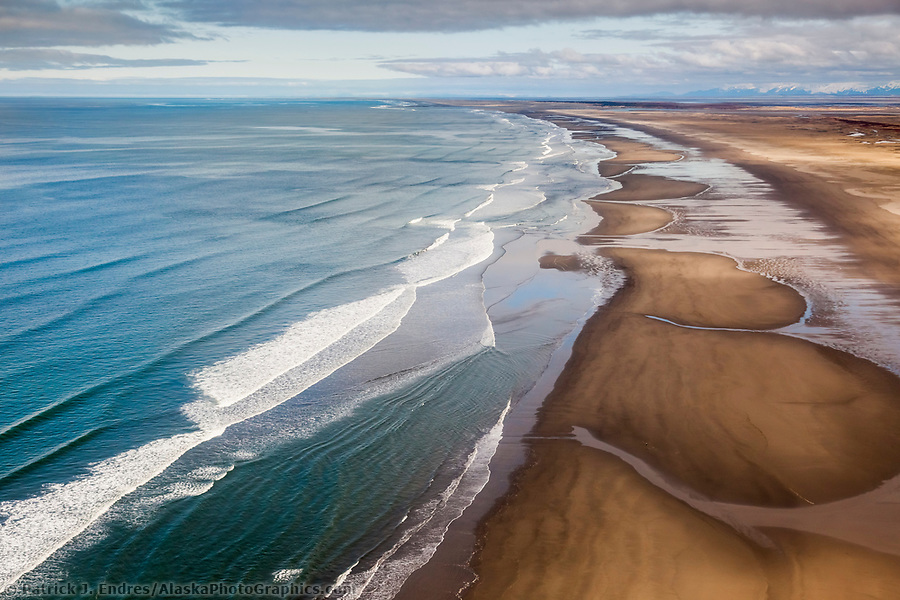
[(637, 187), (629, 153), (612, 169), (686, 451), (627, 220)]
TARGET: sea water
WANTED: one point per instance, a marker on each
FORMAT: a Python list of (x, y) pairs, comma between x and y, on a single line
[(268, 342)]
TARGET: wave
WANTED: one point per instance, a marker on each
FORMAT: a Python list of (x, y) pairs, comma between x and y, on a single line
[(438, 242), (234, 379), (63, 275), (34, 176), (51, 453), (457, 253), (484, 204), (30, 260), (314, 130), (429, 524), (293, 212)]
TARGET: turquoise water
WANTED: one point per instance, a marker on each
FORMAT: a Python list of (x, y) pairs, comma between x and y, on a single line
[(267, 342)]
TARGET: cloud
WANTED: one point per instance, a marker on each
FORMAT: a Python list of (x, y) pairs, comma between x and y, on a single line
[(32, 59), (48, 23), (560, 64), (821, 51), (463, 15)]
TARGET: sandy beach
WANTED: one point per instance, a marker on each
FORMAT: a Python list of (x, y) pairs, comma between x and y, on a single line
[(688, 449)]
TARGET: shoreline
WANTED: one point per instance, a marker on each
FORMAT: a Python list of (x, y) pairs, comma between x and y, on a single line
[(868, 221), (547, 525)]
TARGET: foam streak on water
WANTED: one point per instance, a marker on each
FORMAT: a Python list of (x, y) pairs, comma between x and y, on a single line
[(234, 379), (384, 578)]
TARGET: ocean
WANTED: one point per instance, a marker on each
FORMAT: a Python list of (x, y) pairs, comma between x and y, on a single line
[(268, 342)]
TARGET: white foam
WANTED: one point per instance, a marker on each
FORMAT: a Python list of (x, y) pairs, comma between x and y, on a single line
[(341, 578), (355, 342), (234, 379), (484, 204), (320, 130), (546, 146), (466, 247), (396, 105), (488, 339), (438, 242), (196, 483), (445, 223), (35, 528), (286, 575)]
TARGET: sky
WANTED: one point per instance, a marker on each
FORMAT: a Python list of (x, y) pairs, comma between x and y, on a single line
[(409, 48)]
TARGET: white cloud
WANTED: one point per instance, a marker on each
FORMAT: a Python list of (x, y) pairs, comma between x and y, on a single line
[(864, 49), (34, 59)]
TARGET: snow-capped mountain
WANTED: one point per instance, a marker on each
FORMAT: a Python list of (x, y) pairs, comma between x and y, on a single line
[(834, 89)]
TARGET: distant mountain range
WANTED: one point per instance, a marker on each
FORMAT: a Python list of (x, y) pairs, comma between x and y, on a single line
[(890, 89)]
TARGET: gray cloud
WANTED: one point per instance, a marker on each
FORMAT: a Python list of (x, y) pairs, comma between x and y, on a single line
[(32, 59), (861, 50), (47, 23), (461, 15)]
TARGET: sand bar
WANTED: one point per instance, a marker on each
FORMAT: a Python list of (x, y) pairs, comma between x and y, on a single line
[(630, 152), (613, 170), (627, 220), (639, 187)]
